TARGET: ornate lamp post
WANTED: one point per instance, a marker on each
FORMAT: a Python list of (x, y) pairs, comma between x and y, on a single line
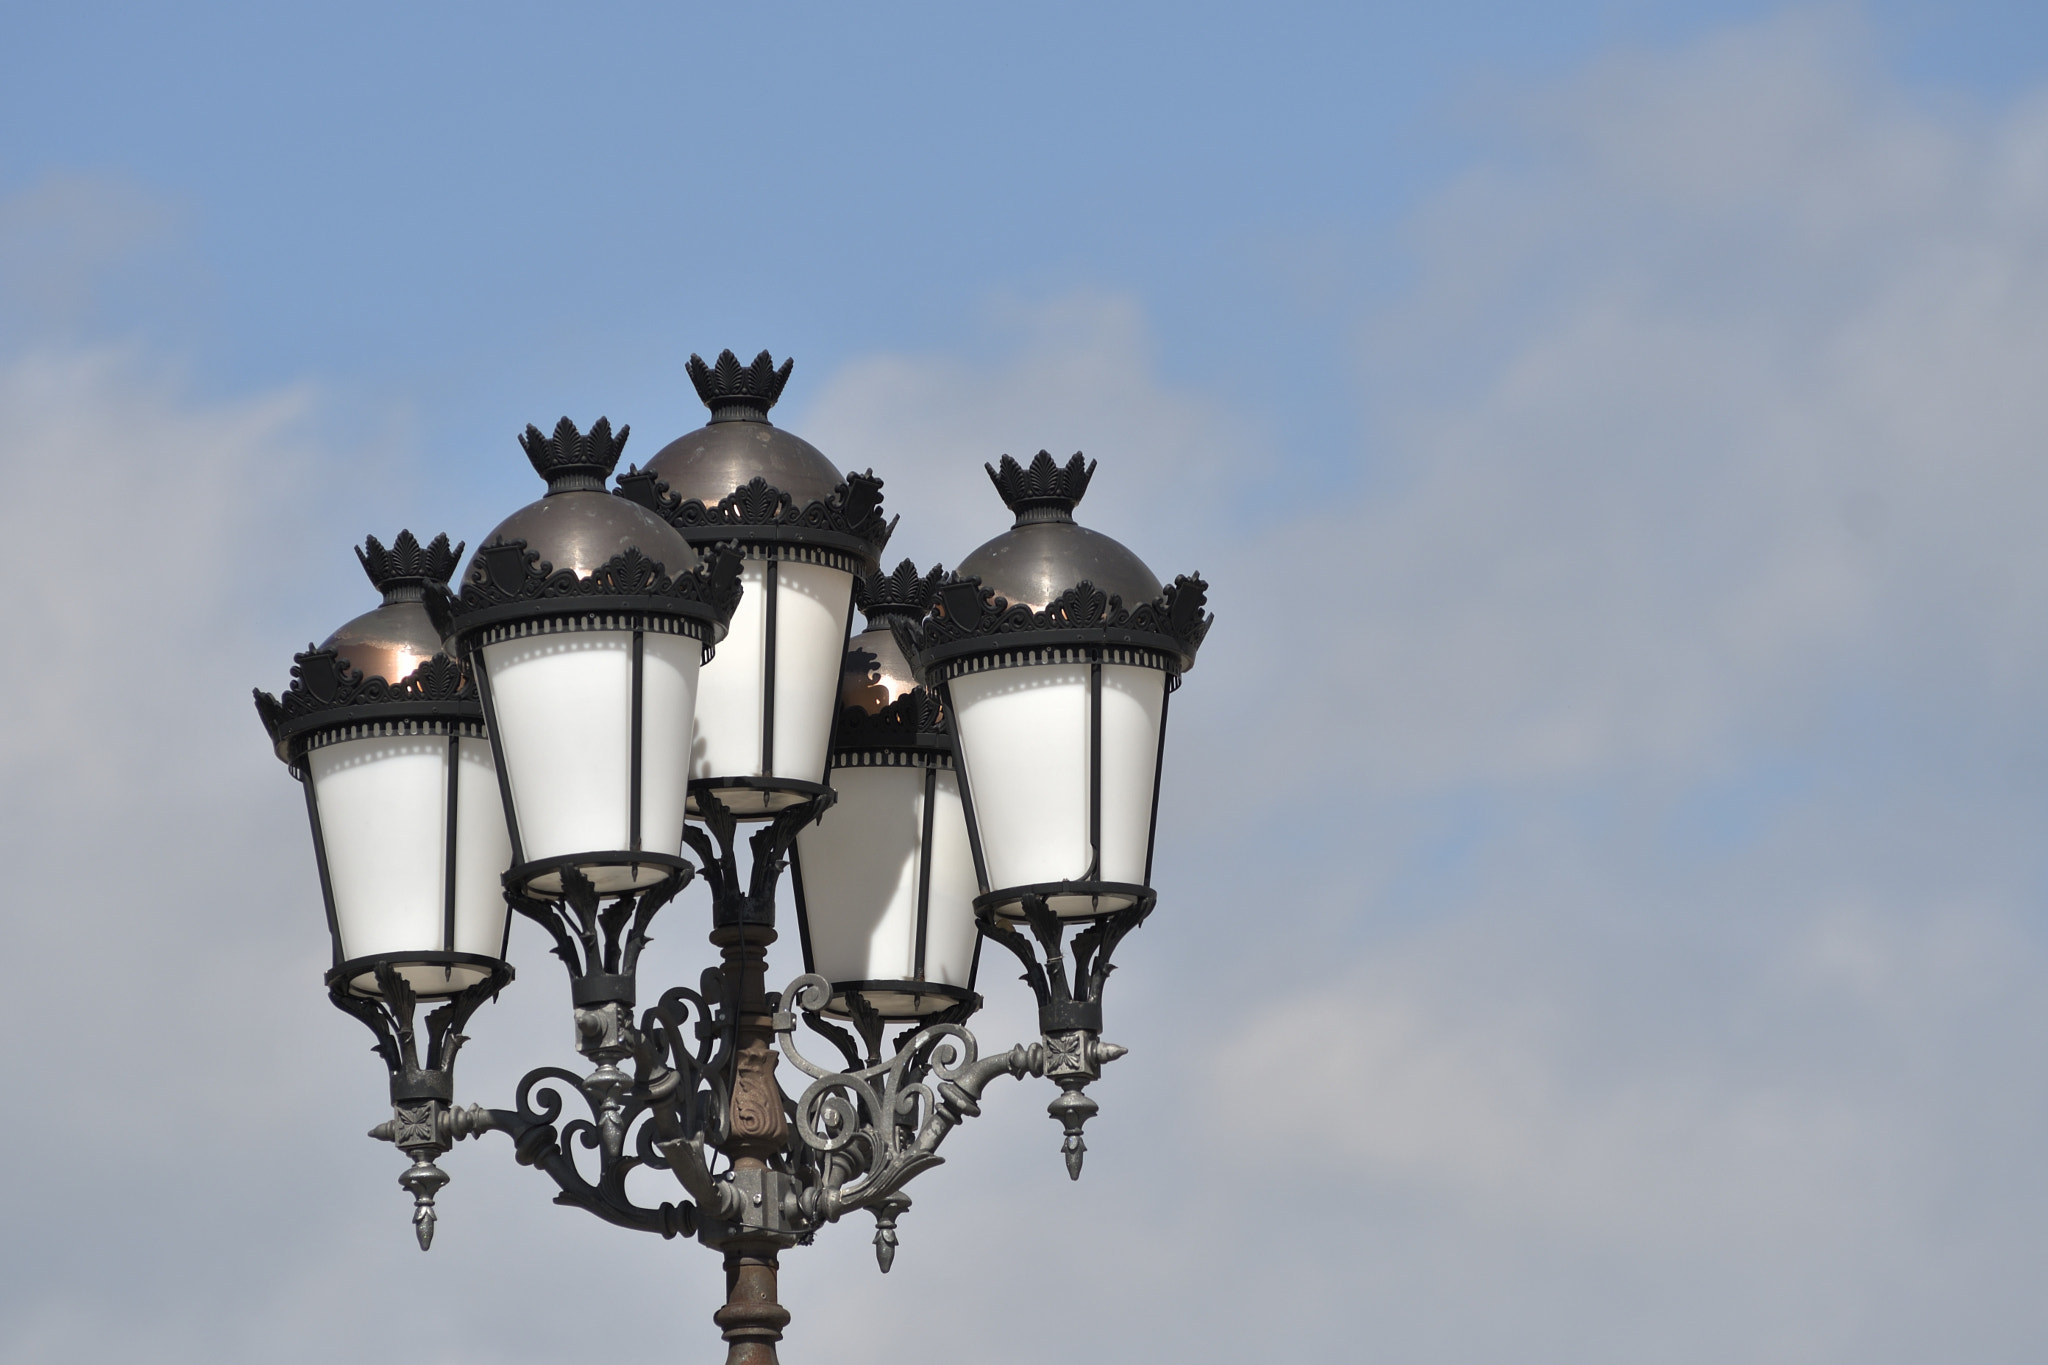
[(628, 674)]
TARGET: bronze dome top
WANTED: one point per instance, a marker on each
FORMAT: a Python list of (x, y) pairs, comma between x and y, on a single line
[(578, 526), (1045, 553), (739, 443)]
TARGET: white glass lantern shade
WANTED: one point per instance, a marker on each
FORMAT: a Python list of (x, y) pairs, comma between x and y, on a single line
[(593, 725), (411, 836), (1062, 762), (766, 700), (886, 885)]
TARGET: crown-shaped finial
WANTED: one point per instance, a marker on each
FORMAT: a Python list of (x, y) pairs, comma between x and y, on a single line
[(408, 564), (1044, 491), (571, 460), (737, 393), (905, 593)]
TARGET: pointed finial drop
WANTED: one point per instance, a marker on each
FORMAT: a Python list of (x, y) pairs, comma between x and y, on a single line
[(1075, 1149), (423, 1179)]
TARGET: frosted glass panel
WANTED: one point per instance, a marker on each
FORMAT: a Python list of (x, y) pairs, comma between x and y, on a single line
[(668, 690), (483, 851), (383, 819), (811, 605), (1022, 735), (810, 645), (949, 926), (563, 705), (728, 740), (1132, 699), (860, 875)]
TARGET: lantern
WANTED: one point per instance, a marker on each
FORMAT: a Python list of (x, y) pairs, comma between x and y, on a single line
[(1054, 650), (586, 619), (765, 705), (884, 879), (386, 733)]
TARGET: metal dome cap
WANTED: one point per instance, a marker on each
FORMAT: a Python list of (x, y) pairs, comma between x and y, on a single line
[(882, 705), (1060, 581), (580, 542), (740, 477), (388, 664)]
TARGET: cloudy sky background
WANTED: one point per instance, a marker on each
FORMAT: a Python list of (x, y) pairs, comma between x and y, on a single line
[(1603, 890)]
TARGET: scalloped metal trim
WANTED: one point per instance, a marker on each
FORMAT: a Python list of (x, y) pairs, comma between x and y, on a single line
[(323, 684), (508, 580), (850, 517), (967, 618)]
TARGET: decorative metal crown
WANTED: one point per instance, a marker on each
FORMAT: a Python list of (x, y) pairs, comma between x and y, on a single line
[(1046, 490), (966, 611), (906, 592), (739, 393), (570, 453), (408, 563), (323, 681), (851, 513)]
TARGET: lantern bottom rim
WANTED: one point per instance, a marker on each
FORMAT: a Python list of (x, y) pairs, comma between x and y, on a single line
[(433, 975), (613, 872), (895, 1000), (1071, 900), (753, 798)]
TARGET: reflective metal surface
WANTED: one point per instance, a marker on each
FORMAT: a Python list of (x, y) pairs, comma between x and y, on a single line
[(1034, 563), (708, 463), (875, 672), (582, 530), (387, 643)]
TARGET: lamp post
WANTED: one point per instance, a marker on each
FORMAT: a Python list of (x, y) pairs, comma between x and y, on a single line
[(623, 675)]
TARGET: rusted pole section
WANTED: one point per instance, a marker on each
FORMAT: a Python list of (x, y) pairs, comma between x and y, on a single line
[(752, 1320)]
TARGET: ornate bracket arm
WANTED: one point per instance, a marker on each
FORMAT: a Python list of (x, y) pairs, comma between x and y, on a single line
[(1069, 1004), (871, 1130), (424, 1121)]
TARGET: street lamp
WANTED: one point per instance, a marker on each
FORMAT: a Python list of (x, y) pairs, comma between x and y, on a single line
[(651, 669)]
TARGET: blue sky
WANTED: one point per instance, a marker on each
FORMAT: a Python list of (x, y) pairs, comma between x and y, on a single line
[(1602, 883)]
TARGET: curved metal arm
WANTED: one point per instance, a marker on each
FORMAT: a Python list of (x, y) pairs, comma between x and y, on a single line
[(876, 1128)]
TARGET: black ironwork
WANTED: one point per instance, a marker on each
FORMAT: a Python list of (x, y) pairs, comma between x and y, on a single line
[(688, 1084), (424, 1121)]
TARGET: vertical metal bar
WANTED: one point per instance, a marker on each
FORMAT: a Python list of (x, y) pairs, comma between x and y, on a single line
[(924, 868), (496, 736), (771, 581), (1095, 767), (966, 796), (320, 857), (1158, 771), (633, 800), (448, 845), (803, 907)]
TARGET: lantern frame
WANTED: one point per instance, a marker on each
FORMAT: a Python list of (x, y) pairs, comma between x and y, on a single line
[(907, 732), (511, 593), (845, 531), (330, 702), (972, 630)]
